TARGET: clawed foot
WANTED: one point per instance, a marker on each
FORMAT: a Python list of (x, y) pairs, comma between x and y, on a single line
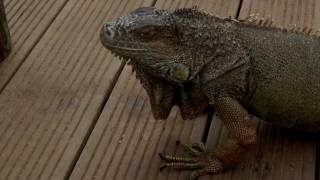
[(198, 159)]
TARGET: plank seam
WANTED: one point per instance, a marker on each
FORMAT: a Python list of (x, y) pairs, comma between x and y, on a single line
[(208, 124), (93, 124), (27, 127), (125, 129), (72, 134), (96, 118), (239, 9)]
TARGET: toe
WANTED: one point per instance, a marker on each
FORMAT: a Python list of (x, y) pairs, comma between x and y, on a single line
[(201, 147), (173, 158)]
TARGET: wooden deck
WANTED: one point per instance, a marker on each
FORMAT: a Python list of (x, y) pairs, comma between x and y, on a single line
[(70, 110)]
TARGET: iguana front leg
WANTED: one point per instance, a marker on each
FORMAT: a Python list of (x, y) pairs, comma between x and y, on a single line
[(229, 154)]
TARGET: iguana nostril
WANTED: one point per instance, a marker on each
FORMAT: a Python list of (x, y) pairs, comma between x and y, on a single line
[(107, 34), (108, 31)]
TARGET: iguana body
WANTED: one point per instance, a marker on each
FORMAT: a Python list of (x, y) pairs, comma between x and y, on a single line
[(190, 58), (284, 77)]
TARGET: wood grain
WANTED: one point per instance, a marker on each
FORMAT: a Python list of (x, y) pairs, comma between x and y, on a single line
[(28, 20), (50, 106)]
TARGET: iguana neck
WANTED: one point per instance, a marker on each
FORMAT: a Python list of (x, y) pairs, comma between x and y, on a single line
[(204, 39)]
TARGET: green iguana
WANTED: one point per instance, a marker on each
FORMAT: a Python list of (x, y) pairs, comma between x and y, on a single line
[(191, 59)]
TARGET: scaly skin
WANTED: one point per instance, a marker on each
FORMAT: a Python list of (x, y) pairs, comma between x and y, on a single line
[(189, 58)]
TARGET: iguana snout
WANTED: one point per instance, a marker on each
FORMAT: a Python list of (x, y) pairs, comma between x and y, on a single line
[(146, 36)]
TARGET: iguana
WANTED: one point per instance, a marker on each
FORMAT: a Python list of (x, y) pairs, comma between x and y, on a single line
[(191, 59)]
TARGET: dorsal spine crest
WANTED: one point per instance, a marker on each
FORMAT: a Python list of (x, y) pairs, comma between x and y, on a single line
[(252, 19)]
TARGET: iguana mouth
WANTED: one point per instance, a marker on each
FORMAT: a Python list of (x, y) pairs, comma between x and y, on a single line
[(109, 40)]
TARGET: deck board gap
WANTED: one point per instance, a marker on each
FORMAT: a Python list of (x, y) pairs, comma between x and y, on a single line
[(153, 2), (94, 122), (211, 113), (239, 9)]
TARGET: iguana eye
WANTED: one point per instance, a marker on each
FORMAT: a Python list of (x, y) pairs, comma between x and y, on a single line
[(147, 31), (176, 72), (147, 34)]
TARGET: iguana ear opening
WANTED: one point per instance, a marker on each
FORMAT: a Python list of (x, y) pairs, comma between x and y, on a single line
[(176, 72)]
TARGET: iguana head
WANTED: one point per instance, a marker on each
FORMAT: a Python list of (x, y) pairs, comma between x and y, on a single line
[(148, 37), (150, 40)]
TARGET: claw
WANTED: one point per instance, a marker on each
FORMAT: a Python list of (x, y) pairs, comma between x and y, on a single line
[(163, 167), (191, 150), (195, 174), (200, 146), (178, 143)]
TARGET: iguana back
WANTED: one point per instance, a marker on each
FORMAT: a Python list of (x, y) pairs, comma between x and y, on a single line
[(284, 76)]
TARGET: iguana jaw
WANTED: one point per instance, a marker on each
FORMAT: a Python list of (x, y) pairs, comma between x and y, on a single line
[(139, 36), (161, 60)]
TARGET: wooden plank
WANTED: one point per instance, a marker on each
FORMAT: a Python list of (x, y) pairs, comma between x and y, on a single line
[(126, 140), (52, 103), (5, 40), (27, 20), (280, 154)]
